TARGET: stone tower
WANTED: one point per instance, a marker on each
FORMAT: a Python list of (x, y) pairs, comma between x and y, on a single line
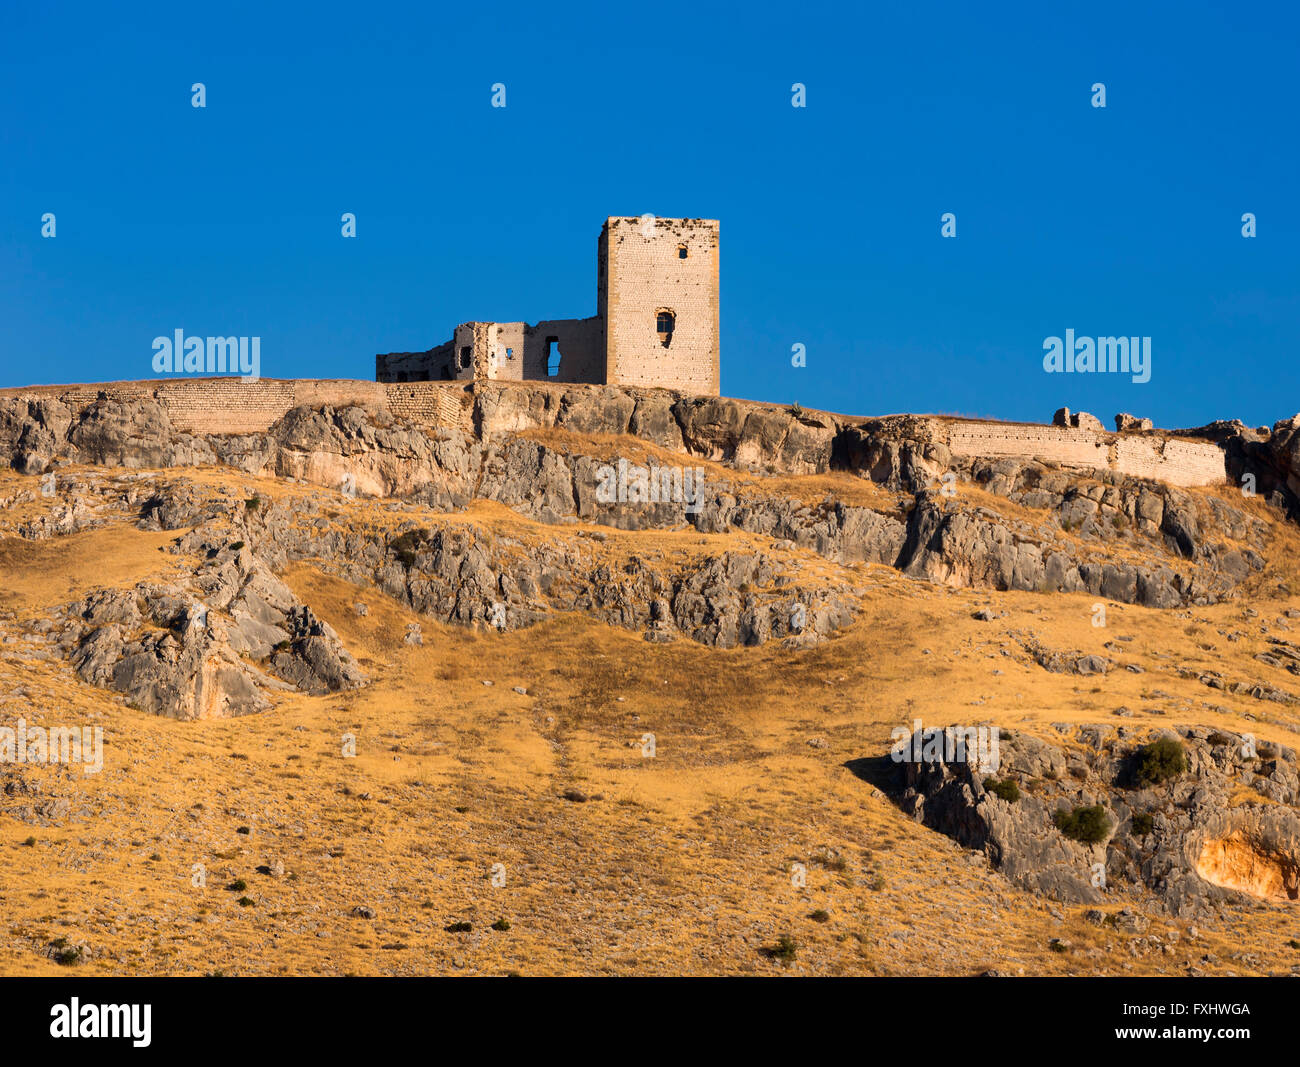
[(657, 295), (656, 321)]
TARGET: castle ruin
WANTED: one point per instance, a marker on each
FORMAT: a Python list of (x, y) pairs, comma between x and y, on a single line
[(656, 321)]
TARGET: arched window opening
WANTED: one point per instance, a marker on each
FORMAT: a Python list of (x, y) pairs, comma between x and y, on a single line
[(665, 323)]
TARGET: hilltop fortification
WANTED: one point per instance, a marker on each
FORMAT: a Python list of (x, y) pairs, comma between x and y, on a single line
[(722, 429)]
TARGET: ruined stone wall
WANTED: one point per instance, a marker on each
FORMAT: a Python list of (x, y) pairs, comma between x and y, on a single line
[(510, 346), (581, 345), (1174, 460), (426, 404), (505, 351), (472, 351), (434, 365), (641, 272), (1081, 448), (232, 405)]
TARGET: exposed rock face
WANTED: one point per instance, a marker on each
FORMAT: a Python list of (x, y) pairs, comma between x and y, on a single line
[(1185, 841), (210, 650), (1285, 448), (469, 575), (36, 431), (1209, 545), (1200, 547)]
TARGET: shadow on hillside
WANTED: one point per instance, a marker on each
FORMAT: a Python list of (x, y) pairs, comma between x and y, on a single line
[(881, 771)]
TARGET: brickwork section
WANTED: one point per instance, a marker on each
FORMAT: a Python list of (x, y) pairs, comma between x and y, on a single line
[(427, 404)]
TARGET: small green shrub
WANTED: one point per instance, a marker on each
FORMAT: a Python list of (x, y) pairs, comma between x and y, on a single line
[(784, 950), (405, 546), (237, 886), (820, 916), (1086, 824), (501, 924), (64, 954), (1143, 823), (252, 503), (459, 927), (1160, 761), (1006, 789)]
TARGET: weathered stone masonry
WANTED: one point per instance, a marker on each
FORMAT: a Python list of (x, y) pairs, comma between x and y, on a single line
[(657, 321), (1169, 459)]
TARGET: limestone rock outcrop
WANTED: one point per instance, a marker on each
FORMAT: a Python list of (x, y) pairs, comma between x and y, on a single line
[(214, 648), (1187, 841)]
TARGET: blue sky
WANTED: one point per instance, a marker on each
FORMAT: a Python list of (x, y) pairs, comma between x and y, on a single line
[(225, 220)]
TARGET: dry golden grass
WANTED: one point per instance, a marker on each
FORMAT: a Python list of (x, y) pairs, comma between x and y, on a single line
[(678, 863)]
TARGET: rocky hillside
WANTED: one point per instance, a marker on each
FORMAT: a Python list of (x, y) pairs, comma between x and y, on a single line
[(504, 635)]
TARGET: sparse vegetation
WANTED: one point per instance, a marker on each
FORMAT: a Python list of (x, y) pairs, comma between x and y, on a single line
[(65, 954), (1159, 761), (1088, 825), (405, 546), (1007, 789), (1143, 823), (784, 951)]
